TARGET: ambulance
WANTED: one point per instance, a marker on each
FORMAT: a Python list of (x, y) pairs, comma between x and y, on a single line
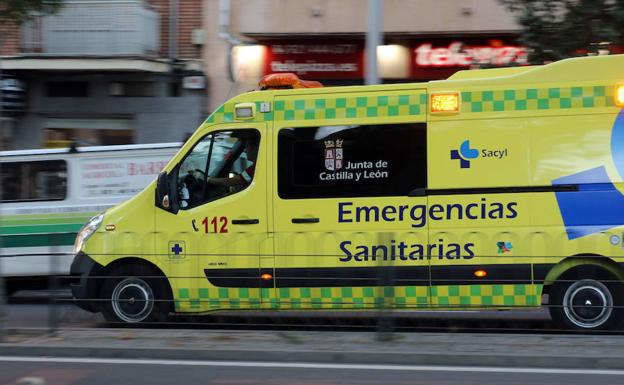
[(493, 189)]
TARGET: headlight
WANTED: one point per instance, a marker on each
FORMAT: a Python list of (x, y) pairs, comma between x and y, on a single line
[(86, 231)]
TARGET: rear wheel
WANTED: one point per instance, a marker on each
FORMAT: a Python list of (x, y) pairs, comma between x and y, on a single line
[(135, 294), (586, 301)]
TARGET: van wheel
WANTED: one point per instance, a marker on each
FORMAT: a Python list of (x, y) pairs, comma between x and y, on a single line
[(587, 303), (135, 294)]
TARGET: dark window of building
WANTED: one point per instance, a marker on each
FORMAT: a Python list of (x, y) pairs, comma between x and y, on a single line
[(67, 89), (34, 181), (12, 94), (132, 89), (175, 89), (352, 161)]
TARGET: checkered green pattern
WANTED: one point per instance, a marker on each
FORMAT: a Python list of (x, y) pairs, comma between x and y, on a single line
[(213, 298), (532, 99), (372, 105), (351, 297), (486, 295), (343, 107), (333, 107), (204, 299), (225, 114)]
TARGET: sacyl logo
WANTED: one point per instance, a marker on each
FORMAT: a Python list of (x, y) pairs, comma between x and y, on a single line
[(464, 154)]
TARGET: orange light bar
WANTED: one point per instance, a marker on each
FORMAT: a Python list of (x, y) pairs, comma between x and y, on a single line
[(445, 102), (619, 95), (286, 80), (266, 277), (480, 273)]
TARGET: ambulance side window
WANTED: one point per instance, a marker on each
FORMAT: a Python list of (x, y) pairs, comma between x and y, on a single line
[(220, 164), (351, 161)]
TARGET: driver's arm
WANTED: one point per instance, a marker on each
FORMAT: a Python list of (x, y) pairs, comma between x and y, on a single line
[(226, 182)]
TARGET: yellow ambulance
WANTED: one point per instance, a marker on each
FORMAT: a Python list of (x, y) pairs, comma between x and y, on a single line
[(493, 189)]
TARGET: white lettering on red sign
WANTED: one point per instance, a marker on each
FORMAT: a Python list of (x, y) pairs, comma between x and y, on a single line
[(298, 49), (291, 66), (459, 55)]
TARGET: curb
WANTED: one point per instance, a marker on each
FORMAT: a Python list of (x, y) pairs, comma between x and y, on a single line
[(336, 357)]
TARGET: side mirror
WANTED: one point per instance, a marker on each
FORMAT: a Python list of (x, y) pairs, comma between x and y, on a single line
[(167, 191), (162, 191)]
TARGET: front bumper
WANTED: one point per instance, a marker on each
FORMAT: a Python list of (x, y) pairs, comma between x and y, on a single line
[(85, 274)]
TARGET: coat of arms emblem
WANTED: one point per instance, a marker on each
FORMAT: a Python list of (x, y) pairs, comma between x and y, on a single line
[(333, 155)]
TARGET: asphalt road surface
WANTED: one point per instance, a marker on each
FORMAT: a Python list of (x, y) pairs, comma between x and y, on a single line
[(86, 371)]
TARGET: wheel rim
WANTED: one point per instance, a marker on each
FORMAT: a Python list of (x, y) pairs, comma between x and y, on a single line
[(132, 300), (588, 303)]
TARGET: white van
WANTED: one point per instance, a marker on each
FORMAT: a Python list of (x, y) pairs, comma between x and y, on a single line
[(47, 195)]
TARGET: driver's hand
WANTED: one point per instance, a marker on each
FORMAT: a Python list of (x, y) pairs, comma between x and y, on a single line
[(197, 174)]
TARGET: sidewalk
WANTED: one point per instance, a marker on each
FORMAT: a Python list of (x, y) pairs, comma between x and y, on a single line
[(463, 349)]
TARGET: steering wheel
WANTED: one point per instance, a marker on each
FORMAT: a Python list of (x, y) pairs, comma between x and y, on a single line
[(201, 172)]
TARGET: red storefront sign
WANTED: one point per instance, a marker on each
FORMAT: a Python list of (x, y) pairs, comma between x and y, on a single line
[(325, 60), (440, 59)]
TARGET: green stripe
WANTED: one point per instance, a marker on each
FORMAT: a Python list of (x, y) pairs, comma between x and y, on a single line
[(41, 229), (45, 219), (43, 224), (37, 240), (51, 215)]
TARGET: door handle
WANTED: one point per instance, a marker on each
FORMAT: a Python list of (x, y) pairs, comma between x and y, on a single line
[(245, 221), (306, 220)]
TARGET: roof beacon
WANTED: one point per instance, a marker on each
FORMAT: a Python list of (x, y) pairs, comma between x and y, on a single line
[(286, 80)]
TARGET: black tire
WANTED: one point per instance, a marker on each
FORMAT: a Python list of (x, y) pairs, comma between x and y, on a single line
[(135, 294), (587, 299)]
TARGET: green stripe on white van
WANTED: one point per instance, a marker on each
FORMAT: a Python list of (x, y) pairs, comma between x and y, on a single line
[(41, 229), (44, 219), (35, 240)]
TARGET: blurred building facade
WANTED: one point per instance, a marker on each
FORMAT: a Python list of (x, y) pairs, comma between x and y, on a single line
[(103, 72), (140, 71), (325, 40)]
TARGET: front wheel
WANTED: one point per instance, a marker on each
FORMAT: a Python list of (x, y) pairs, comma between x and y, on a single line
[(135, 294), (586, 304)]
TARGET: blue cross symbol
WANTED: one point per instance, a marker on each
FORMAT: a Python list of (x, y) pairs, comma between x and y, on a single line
[(464, 154), (176, 249)]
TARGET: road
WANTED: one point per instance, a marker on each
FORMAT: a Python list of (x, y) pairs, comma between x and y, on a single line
[(79, 371), (34, 312)]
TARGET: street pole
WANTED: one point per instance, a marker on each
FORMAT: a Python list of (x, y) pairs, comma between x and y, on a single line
[(373, 40), (3, 291), (385, 291)]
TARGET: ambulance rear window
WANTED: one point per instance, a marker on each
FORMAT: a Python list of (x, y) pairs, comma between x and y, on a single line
[(351, 161)]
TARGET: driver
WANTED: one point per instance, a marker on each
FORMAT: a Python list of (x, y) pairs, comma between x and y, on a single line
[(243, 179)]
